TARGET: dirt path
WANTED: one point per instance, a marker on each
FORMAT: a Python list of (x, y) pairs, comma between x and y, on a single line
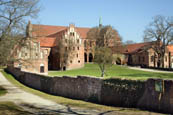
[(150, 70), (40, 106)]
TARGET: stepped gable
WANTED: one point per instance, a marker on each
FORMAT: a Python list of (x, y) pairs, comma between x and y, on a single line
[(47, 33)]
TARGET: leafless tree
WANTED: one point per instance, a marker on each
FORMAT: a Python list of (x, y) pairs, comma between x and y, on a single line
[(105, 38), (161, 31), (13, 15), (66, 50)]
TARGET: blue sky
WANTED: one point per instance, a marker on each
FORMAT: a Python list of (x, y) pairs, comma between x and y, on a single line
[(128, 17)]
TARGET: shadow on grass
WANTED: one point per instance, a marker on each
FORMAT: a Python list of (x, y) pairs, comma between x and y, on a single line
[(9, 108), (67, 110), (3, 91)]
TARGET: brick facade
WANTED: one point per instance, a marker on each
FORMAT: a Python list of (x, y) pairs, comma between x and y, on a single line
[(142, 54), (43, 42)]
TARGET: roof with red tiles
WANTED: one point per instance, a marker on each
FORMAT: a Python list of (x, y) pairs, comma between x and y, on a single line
[(170, 48), (47, 42), (48, 33), (132, 48), (45, 30)]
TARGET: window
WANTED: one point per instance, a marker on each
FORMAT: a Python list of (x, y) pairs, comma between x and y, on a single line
[(77, 55), (71, 34), (143, 59), (73, 48), (78, 61), (152, 58), (85, 43), (139, 58), (78, 41), (165, 58), (41, 55), (66, 48), (90, 44), (78, 47), (46, 52), (41, 69), (71, 61), (65, 40)]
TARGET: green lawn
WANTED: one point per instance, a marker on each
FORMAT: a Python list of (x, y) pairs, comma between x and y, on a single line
[(114, 71)]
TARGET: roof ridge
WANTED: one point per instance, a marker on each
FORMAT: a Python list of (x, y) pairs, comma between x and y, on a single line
[(48, 25), (56, 32)]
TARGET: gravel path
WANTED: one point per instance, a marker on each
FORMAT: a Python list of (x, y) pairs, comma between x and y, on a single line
[(150, 70), (40, 106)]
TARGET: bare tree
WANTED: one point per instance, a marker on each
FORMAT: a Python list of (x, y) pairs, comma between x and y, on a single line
[(105, 38), (66, 51), (161, 31), (13, 15)]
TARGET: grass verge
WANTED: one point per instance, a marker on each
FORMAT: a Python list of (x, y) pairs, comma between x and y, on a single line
[(115, 71), (9, 108)]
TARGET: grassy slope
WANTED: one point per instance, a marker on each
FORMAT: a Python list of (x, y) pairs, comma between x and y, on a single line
[(9, 108), (114, 71)]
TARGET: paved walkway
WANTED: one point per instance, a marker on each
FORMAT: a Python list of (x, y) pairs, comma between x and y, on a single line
[(40, 106), (150, 70)]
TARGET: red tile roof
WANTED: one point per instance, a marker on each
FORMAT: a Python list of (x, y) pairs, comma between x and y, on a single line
[(132, 48), (170, 48), (47, 42), (83, 32), (48, 33), (45, 30)]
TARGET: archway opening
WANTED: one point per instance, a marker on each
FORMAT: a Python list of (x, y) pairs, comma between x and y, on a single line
[(85, 57), (41, 68), (90, 57)]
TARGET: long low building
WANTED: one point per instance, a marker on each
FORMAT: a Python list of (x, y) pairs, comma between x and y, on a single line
[(143, 54)]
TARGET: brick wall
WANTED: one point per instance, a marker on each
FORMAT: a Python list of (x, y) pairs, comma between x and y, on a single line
[(114, 92)]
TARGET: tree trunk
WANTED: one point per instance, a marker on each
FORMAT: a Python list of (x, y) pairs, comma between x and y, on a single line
[(103, 72), (162, 61)]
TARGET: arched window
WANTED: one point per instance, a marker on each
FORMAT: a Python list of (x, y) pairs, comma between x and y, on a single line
[(85, 44), (85, 57), (90, 57)]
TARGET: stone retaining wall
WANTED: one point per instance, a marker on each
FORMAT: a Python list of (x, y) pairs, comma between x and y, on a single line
[(115, 92)]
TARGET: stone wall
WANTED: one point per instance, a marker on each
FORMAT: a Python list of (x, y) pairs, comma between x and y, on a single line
[(115, 92)]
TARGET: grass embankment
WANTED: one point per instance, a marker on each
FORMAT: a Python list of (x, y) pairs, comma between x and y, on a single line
[(58, 99), (114, 71), (9, 108)]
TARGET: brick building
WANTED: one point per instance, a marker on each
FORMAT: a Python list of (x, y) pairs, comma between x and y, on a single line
[(142, 54), (44, 43)]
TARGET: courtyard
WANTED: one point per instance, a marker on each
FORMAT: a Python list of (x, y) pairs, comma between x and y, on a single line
[(115, 71)]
